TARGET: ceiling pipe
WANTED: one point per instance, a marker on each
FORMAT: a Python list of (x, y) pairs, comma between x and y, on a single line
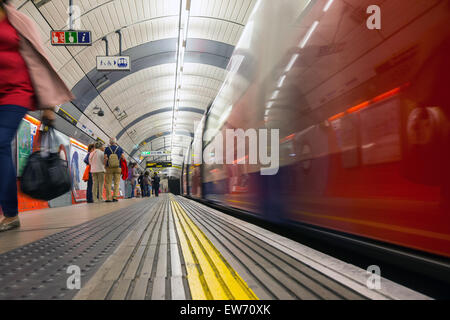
[(106, 45), (120, 41), (70, 15)]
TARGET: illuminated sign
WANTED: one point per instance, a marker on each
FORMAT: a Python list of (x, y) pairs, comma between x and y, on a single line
[(159, 164), (154, 153), (64, 114), (71, 38)]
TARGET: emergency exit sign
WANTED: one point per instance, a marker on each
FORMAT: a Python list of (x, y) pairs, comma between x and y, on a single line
[(71, 38)]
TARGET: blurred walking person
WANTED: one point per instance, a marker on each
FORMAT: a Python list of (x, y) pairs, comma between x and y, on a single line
[(97, 162), (112, 157), (28, 81)]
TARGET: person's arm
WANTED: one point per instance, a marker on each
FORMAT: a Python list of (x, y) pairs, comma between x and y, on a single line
[(91, 156), (48, 117), (104, 161), (86, 159)]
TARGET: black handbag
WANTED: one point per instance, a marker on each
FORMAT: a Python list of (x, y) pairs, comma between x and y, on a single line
[(46, 176)]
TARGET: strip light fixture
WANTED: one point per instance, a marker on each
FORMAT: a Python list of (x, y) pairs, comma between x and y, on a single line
[(328, 5), (308, 34), (185, 8)]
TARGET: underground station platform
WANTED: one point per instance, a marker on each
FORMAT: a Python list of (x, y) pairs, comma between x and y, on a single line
[(169, 248)]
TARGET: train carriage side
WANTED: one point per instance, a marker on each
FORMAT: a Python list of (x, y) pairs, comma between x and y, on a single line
[(363, 117)]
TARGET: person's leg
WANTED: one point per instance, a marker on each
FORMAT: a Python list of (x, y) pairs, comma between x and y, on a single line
[(116, 185), (108, 181), (10, 117), (89, 195), (95, 186), (132, 189), (101, 184), (129, 189)]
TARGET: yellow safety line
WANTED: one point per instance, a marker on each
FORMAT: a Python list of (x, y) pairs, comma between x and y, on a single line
[(195, 277), (212, 277)]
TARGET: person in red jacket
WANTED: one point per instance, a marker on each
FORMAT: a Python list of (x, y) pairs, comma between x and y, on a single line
[(27, 82), (124, 166)]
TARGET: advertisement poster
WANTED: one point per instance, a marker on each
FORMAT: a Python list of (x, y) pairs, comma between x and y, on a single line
[(77, 167), (24, 145)]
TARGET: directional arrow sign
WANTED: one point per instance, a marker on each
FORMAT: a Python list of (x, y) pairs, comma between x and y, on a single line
[(109, 63), (71, 38)]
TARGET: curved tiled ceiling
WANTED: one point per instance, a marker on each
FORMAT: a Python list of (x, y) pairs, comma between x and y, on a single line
[(144, 97)]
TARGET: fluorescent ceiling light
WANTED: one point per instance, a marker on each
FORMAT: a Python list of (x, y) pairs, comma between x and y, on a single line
[(275, 94), (308, 34), (281, 81), (269, 105), (328, 5), (291, 62)]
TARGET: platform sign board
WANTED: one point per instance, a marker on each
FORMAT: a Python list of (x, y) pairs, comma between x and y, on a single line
[(64, 114), (154, 153), (159, 164), (113, 63), (71, 38)]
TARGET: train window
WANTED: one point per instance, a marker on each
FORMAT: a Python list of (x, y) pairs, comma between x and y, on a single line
[(380, 133), (346, 130)]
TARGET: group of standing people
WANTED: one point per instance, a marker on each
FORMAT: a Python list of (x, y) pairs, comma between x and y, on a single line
[(149, 185), (105, 171)]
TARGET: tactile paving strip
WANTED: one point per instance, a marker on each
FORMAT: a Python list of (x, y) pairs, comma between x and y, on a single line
[(146, 265), (39, 270), (271, 273)]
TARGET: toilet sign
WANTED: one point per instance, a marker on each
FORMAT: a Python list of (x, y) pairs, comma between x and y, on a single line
[(113, 63), (71, 38)]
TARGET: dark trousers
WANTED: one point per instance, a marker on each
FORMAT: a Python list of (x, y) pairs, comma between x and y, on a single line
[(156, 188), (10, 117), (147, 190), (89, 189), (133, 186), (143, 190)]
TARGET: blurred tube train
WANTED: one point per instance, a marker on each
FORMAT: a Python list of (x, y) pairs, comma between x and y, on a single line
[(363, 118)]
